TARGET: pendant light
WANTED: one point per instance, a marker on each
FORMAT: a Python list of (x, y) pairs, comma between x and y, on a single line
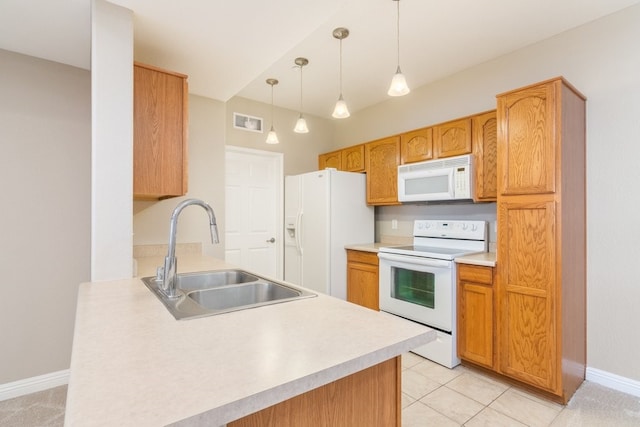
[(272, 138), (341, 111), (398, 85), (301, 123)]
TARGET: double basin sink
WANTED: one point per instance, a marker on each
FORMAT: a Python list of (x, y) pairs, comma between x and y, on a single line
[(222, 291)]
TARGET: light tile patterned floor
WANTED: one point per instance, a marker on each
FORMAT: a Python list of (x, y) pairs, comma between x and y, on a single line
[(433, 395)]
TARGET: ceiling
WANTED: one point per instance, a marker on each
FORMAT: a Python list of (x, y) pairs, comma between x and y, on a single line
[(229, 48)]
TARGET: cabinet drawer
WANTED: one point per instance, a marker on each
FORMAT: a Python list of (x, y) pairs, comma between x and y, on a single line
[(475, 273), (362, 256)]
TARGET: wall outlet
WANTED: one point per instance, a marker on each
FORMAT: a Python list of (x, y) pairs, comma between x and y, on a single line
[(394, 224)]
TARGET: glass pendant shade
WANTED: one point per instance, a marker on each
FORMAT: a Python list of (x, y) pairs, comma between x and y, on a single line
[(398, 85), (272, 137), (341, 111), (301, 125)]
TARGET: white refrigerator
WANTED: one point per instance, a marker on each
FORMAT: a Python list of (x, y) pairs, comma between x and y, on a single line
[(324, 211)]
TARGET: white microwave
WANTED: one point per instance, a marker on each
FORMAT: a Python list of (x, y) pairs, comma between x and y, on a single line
[(450, 178)]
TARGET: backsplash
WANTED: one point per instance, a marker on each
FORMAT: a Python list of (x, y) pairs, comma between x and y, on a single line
[(395, 223), (182, 249)]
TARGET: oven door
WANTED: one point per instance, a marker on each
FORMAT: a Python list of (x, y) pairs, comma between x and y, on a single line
[(417, 288)]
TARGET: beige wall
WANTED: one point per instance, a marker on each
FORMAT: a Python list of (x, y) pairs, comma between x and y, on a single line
[(601, 59), (45, 168), (206, 182), (210, 128), (300, 150)]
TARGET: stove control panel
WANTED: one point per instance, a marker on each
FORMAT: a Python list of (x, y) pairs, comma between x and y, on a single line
[(473, 230)]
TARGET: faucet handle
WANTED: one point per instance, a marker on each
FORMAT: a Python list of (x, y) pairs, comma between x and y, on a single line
[(160, 274)]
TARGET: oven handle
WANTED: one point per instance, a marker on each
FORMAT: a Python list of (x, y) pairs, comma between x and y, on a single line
[(427, 262)]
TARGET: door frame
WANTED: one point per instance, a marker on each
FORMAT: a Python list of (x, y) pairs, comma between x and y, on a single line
[(278, 159)]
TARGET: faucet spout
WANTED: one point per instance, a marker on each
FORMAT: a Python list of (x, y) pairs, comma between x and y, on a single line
[(169, 271)]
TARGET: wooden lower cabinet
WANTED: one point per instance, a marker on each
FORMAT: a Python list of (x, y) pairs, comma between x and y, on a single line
[(369, 398), (362, 279), (476, 314)]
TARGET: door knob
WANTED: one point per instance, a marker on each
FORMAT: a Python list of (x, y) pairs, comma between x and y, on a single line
[(271, 240)]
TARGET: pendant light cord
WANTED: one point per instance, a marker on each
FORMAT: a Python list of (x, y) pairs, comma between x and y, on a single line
[(398, 31), (340, 67), (300, 89)]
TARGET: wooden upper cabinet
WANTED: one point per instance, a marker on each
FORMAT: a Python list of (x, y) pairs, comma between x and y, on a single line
[(159, 133), (382, 158), (416, 146), (353, 158), (485, 144), (330, 160), (527, 140), (452, 138)]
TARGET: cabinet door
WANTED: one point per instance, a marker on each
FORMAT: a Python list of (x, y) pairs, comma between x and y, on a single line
[(353, 158), (452, 138), (416, 146), (362, 279), (382, 158), (484, 131), (527, 141), (475, 324), (527, 334), (159, 133), (330, 160)]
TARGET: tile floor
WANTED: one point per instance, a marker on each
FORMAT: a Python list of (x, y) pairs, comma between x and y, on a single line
[(431, 396)]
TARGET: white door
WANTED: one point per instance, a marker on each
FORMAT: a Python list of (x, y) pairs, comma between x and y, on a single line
[(253, 203)]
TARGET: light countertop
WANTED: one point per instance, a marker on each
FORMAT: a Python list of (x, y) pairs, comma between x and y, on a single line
[(134, 364), (487, 259)]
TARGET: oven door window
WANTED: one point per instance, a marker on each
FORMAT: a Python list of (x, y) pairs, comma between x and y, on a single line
[(416, 287)]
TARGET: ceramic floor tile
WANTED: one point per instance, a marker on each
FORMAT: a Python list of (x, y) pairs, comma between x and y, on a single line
[(491, 418), (452, 404), (420, 415), (410, 359), (435, 372), (417, 385), (407, 400), (528, 411), (478, 388)]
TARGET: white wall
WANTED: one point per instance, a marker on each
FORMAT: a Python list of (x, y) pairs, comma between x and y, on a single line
[(45, 170), (602, 60)]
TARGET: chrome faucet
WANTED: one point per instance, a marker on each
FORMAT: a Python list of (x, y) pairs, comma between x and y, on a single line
[(167, 275)]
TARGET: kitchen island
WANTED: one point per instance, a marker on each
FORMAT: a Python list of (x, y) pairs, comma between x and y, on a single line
[(134, 364)]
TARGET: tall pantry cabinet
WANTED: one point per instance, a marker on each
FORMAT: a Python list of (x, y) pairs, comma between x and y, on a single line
[(541, 268)]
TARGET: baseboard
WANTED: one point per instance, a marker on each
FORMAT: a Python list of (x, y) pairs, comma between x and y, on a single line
[(33, 384), (613, 381)]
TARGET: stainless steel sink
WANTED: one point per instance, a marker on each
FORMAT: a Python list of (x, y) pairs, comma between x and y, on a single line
[(213, 279), (246, 294), (216, 292)]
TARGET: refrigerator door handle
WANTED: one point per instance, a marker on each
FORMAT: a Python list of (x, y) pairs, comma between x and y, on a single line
[(299, 232)]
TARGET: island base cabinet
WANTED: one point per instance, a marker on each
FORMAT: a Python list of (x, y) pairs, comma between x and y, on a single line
[(369, 398)]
